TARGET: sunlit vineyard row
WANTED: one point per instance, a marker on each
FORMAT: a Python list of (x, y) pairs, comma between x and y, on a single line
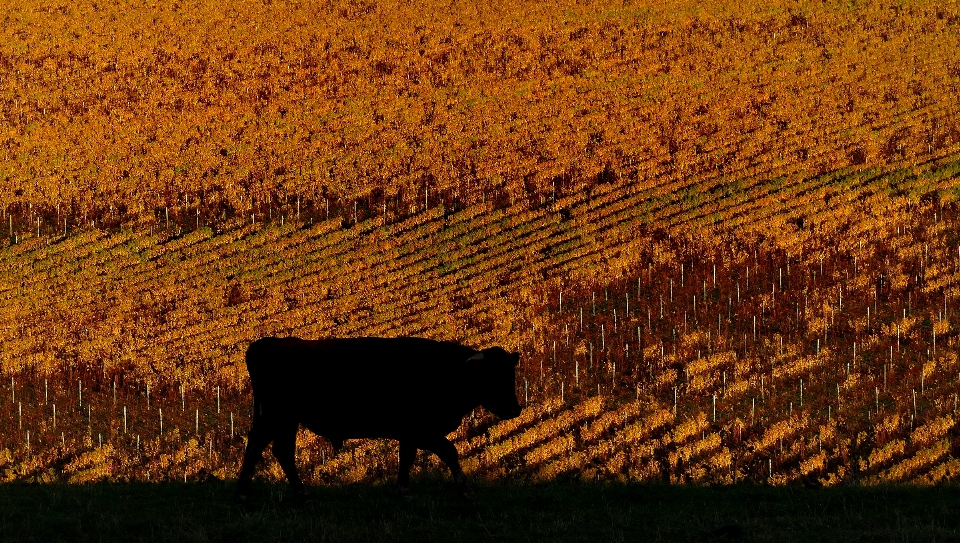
[(821, 351), (346, 109)]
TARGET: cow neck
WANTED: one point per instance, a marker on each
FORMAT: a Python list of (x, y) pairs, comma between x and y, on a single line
[(471, 386)]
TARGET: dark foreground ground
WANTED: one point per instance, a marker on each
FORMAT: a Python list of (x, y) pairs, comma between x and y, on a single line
[(435, 511)]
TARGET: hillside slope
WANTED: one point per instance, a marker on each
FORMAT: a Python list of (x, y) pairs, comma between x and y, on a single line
[(723, 239), (127, 328)]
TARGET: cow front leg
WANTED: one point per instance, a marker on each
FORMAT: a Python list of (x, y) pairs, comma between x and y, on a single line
[(257, 440), (285, 449), (445, 450), (408, 454)]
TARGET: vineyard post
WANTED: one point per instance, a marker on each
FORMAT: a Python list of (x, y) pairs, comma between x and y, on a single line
[(20, 415), (218, 387), (44, 392), (54, 416), (801, 392), (124, 419), (160, 410), (231, 425)]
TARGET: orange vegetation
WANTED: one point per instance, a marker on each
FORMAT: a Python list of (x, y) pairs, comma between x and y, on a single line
[(724, 239)]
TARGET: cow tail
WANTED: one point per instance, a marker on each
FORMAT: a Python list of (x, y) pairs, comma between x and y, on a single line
[(253, 359), (257, 411)]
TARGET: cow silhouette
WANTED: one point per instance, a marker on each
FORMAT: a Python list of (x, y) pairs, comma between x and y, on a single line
[(413, 390)]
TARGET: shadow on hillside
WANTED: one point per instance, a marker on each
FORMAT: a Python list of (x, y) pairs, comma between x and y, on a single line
[(435, 511)]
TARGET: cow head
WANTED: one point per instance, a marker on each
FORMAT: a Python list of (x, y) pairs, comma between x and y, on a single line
[(495, 374)]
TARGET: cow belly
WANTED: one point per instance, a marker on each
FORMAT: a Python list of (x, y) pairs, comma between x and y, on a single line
[(385, 423)]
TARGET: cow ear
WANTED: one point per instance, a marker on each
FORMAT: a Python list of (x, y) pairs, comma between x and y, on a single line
[(516, 358)]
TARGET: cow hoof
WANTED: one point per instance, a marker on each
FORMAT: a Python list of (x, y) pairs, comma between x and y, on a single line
[(301, 498), (243, 500)]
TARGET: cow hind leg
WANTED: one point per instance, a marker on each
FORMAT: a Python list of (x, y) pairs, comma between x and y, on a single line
[(284, 449), (257, 440)]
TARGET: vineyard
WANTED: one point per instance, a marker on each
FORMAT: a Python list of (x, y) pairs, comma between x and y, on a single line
[(726, 243)]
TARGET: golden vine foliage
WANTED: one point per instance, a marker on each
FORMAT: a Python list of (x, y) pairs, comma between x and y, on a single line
[(125, 114)]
